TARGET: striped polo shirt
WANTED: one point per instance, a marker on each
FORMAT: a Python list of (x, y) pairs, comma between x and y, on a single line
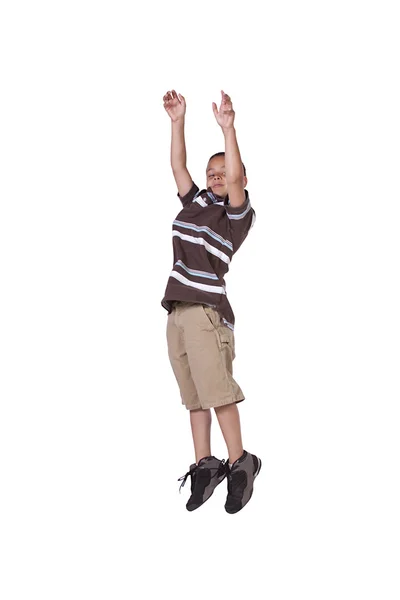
[(205, 235)]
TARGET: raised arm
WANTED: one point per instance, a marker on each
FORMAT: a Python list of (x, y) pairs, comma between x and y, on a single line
[(235, 178), (175, 106)]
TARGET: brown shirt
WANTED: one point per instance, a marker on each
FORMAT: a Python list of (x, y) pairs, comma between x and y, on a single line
[(206, 234)]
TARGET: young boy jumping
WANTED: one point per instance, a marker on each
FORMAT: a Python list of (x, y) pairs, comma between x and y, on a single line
[(206, 234)]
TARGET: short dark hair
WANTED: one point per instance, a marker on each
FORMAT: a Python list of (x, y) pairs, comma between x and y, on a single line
[(223, 154)]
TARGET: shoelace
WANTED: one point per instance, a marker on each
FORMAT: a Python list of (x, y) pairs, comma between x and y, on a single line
[(219, 470), (184, 477)]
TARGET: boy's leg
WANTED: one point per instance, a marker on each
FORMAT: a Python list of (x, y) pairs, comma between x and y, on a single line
[(200, 421), (208, 472), (244, 467), (229, 421)]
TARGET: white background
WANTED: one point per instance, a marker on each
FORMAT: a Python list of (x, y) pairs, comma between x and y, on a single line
[(93, 435)]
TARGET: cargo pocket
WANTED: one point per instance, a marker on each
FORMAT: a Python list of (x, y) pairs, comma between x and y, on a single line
[(227, 343), (226, 338)]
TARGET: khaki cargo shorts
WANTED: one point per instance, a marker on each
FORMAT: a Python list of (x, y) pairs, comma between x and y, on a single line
[(201, 350)]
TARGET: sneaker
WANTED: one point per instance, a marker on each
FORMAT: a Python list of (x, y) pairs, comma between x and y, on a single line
[(204, 479), (240, 481)]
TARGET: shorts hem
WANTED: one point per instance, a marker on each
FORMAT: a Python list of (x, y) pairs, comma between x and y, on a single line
[(219, 404), (216, 405)]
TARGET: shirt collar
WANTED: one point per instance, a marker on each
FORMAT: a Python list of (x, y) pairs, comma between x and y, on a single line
[(215, 198)]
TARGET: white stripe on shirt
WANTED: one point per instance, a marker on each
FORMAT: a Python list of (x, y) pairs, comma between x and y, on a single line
[(200, 228), (200, 286), (195, 273), (202, 242), (240, 215), (200, 201)]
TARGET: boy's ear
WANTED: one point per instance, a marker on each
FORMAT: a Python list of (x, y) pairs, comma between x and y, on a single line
[(245, 180)]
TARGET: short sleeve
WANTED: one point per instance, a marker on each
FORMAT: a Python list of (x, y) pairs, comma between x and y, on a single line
[(241, 220), (190, 196)]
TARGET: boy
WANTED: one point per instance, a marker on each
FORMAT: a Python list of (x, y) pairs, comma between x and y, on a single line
[(211, 227)]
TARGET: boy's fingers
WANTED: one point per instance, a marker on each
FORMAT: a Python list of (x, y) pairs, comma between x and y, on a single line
[(169, 96)]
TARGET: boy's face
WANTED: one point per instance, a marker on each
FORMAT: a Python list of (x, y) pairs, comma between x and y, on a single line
[(215, 174), (216, 178)]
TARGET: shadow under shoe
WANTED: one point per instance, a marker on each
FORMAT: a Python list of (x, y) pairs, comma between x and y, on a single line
[(204, 479), (241, 480)]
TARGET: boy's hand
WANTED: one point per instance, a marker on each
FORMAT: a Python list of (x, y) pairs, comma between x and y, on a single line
[(226, 115), (175, 105)]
